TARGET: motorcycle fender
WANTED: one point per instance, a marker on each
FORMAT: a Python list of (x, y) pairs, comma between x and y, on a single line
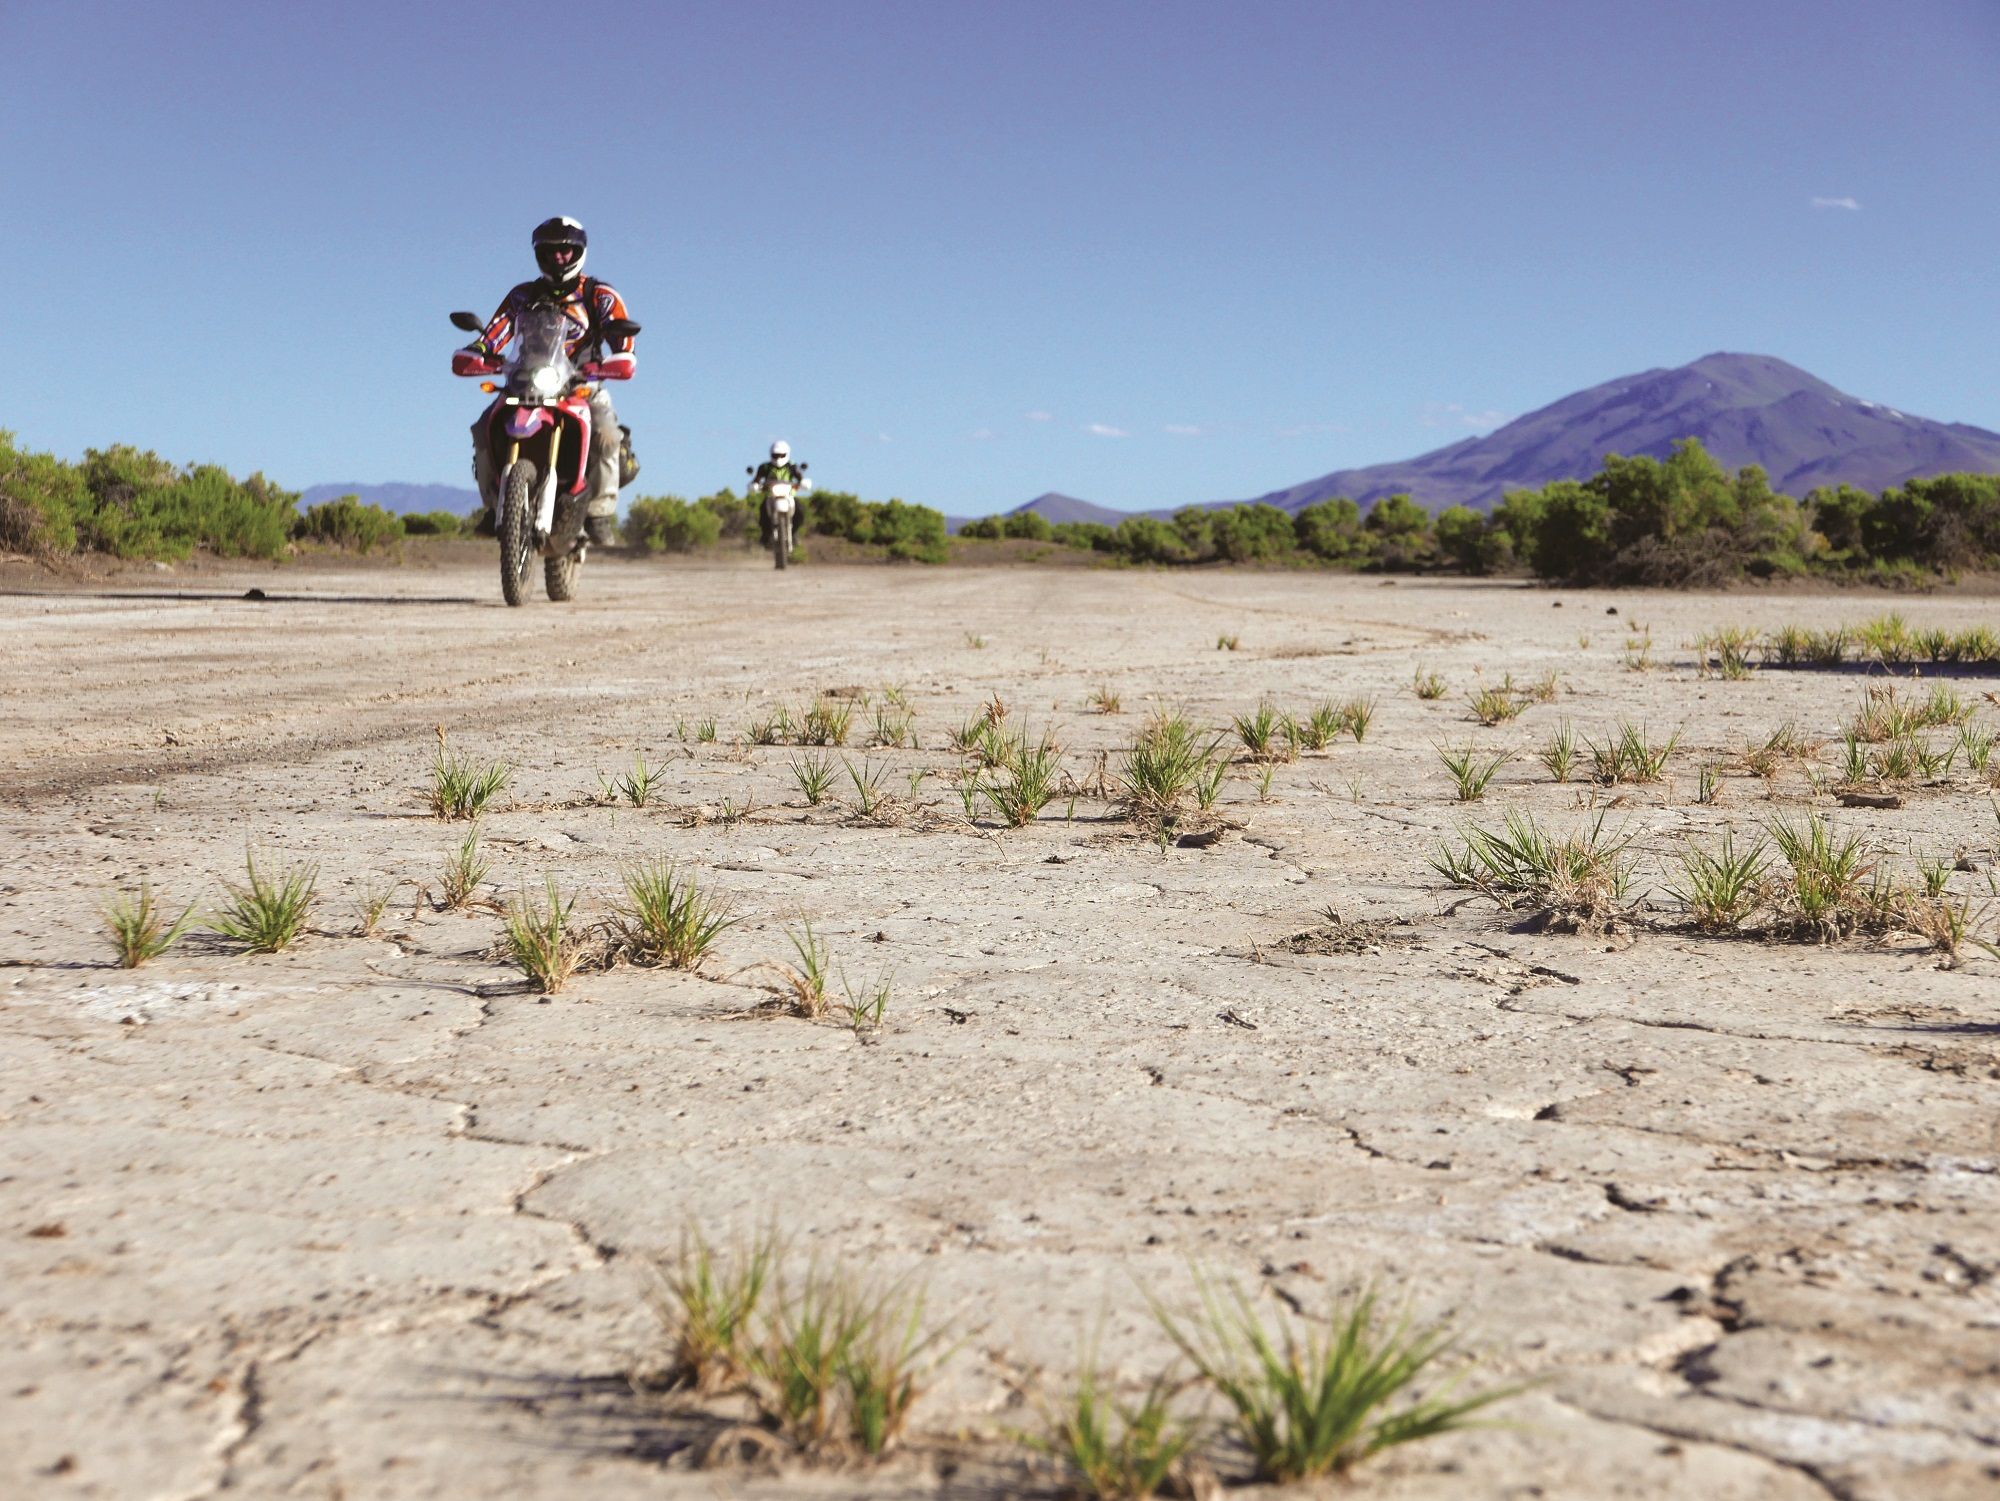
[(579, 413), (525, 422)]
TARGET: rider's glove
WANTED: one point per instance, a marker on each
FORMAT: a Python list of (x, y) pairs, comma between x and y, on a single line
[(612, 367), (472, 362)]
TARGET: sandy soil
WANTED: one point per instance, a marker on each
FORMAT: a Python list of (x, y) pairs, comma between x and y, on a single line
[(370, 1218)]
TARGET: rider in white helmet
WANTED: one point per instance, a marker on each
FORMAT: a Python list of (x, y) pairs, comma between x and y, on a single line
[(780, 470)]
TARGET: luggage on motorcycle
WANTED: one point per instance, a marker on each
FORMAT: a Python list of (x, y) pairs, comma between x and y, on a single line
[(628, 461)]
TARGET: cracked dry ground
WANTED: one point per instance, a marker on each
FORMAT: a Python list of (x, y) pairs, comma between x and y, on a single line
[(369, 1218)]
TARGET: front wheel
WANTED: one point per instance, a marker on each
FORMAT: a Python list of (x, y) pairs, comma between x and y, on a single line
[(781, 539), (559, 574), (517, 530)]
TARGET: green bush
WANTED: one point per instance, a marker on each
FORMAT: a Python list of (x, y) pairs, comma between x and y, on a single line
[(140, 506), (433, 524), (1331, 531), (986, 528), (1093, 535), (912, 533), (667, 523), (1027, 526), (41, 500), (349, 522), (735, 515)]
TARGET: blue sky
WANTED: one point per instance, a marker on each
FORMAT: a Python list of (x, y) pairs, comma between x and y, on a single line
[(1143, 253)]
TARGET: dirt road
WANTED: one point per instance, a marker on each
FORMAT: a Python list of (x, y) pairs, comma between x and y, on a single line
[(370, 1217)]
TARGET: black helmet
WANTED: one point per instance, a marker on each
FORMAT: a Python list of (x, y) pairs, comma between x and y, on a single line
[(559, 249)]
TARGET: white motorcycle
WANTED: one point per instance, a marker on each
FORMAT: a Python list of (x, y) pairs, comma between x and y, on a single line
[(783, 501)]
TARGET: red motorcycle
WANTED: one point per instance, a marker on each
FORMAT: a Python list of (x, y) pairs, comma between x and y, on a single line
[(538, 432)]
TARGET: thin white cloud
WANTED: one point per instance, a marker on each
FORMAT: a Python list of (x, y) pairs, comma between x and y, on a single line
[(1851, 205), (1312, 429), (1104, 430), (1182, 429), (884, 438), (982, 433), (1452, 414), (1040, 416)]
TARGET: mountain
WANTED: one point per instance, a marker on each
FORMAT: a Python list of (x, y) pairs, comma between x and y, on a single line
[(399, 498), (1060, 508), (1744, 408)]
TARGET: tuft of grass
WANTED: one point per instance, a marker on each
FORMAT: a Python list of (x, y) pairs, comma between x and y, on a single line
[(1427, 684), (805, 983), (814, 774), (867, 1007), (894, 725), (1104, 699), (1119, 1451), (1724, 652), (464, 869), (1357, 714), (868, 794), (138, 929), (826, 722), (890, 1353), (1169, 763), (1032, 773), (774, 728), (707, 1308), (1545, 689), (1824, 896), (1260, 732), (1559, 754), (666, 918), (1470, 772), (541, 938), (704, 732), (1227, 643), (1318, 729), (976, 641), (462, 787), (638, 785), (1975, 744), (1708, 784), (1577, 882), (1722, 887), (265, 915), (1491, 706), (369, 907), (1630, 755), (1307, 1402)]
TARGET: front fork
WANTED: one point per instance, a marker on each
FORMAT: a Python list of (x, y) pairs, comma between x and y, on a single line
[(545, 506)]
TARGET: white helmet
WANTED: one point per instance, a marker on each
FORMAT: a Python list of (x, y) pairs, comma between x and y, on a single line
[(780, 451)]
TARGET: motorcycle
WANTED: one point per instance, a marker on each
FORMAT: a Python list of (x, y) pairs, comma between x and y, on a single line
[(782, 499), (539, 435)]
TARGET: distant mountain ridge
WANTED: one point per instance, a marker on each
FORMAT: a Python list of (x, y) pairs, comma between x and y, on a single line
[(1744, 409)]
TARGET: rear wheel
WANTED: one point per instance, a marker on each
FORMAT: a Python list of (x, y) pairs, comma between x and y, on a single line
[(560, 576), (517, 530)]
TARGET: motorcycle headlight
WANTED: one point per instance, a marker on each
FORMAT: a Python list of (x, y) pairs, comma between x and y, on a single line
[(546, 381)]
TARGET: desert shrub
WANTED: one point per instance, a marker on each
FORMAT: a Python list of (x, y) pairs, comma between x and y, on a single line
[(41, 500), (1331, 530), (349, 522), (913, 534), (1027, 526), (1461, 538), (667, 523), (432, 524), (1145, 539), (1094, 535), (991, 528), (1251, 533)]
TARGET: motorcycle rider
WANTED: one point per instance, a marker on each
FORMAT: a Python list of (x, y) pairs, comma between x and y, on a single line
[(559, 246), (780, 470)]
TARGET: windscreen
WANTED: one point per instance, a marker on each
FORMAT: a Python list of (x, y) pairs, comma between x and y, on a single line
[(541, 340)]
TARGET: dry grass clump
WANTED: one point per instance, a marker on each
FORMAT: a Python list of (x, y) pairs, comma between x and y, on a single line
[(895, 725), (541, 938), (666, 918), (464, 869), (1104, 699), (1491, 706), (462, 787), (266, 915), (825, 722), (1307, 1401), (1576, 882), (1122, 1451), (638, 785), (369, 907), (1887, 641), (1427, 685), (814, 774), (1723, 886), (804, 985), (139, 930), (1558, 754), (829, 1362)]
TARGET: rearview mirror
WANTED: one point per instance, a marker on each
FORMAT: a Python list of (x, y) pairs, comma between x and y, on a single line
[(467, 321), (750, 469), (620, 328)]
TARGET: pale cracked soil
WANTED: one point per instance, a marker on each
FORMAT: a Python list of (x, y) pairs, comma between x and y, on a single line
[(370, 1218)]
